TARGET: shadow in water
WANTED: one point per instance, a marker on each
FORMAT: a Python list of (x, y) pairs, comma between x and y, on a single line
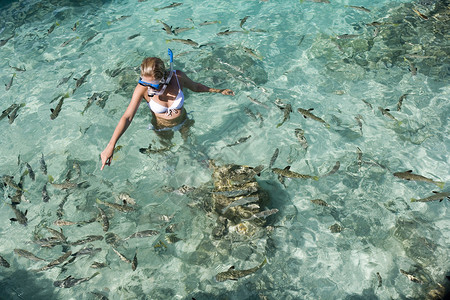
[(22, 284)]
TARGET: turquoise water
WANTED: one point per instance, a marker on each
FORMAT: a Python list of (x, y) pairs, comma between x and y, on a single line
[(287, 51)]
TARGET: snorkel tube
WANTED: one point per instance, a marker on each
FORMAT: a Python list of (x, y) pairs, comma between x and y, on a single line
[(169, 51)]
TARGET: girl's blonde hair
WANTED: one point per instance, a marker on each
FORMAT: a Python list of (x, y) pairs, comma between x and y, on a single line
[(153, 67)]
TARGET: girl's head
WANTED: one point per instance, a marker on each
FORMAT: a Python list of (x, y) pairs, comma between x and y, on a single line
[(153, 67)]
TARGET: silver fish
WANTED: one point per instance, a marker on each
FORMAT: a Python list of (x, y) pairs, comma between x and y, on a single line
[(233, 274), (286, 110), (239, 141), (9, 180), (367, 103), (347, 36), (122, 208), (142, 234), (361, 8), (57, 109), (174, 4), (105, 220), (118, 19), (122, 257), (334, 170), (411, 277), (179, 30), (186, 41), (55, 262), (400, 101), (262, 214), (64, 80), (75, 26), (50, 30), (243, 20), (436, 196), (359, 157), (69, 282), (8, 110), (69, 40), (88, 239), (125, 198), (87, 251), (257, 102), (307, 114), (300, 134), (286, 172), (63, 223), (13, 114), (358, 119), (8, 86), (27, 255), (98, 265), (82, 79), (409, 175), (4, 262), (65, 185), (43, 165), (274, 158), (209, 23), (228, 32), (89, 39), (57, 234), (386, 112), (240, 202), (30, 172), (319, 202)]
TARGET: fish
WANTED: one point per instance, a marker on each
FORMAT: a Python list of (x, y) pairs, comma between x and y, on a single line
[(411, 277), (50, 30), (367, 103), (20, 216), (88, 239), (436, 196), (239, 141), (228, 32), (317, 1), (55, 262), (45, 196), (257, 102), (249, 113), (69, 281), (75, 26), (232, 274), (82, 79), (63, 223), (361, 8), (69, 40), (98, 265), (48, 242), (89, 39), (125, 198), (347, 36), (133, 36), (43, 164), (400, 101), (167, 28), (119, 207), (65, 185), (105, 221), (262, 214), (243, 20), (134, 263), (27, 254), (334, 170), (8, 86), (412, 68), (286, 110), (420, 14), (319, 202), (174, 4), (57, 234), (87, 251), (300, 135), (64, 80), (386, 112), (30, 172), (149, 150), (209, 23), (286, 172), (336, 228), (186, 41), (13, 114), (4, 262), (182, 29), (239, 202), (172, 238), (380, 280), (142, 234), (243, 190), (90, 101), (8, 110), (307, 114), (122, 257), (274, 158), (118, 19), (9, 180), (409, 175), (55, 111), (3, 42), (359, 155)]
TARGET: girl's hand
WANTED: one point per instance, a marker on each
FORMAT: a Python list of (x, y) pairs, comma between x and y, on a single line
[(227, 92), (106, 157)]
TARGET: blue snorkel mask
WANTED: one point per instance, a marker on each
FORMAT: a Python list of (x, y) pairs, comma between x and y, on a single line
[(158, 88)]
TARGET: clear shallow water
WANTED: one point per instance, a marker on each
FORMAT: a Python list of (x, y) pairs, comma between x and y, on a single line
[(298, 59)]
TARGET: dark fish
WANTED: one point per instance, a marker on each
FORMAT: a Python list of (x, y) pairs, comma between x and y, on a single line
[(411, 277), (75, 26), (412, 68), (386, 112), (262, 214), (172, 238), (347, 36), (98, 265), (400, 101), (361, 8), (4, 263), (65, 185), (30, 172), (117, 20), (243, 20), (133, 36), (121, 256), (134, 263), (55, 111), (8, 110), (242, 190), (105, 220), (64, 80), (27, 254), (167, 28), (334, 170), (317, 1), (87, 251), (69, 282), (119, 207), (174, 4), (300, 135), (88, 239), (69, 40), (82, 79), (286, 172), (142, 234), (274, 158), (286, 110), (149, 150), (13, 114), (55, 262), (420, 14), (186, 41), (257, 102), (57, 234), (239, 141), (367, 103), (20, 216), (3, 42), (50, 30), (436, 196), (9, 180), (240, 202), (182, 29), (380, 280), (409, 175), (307, 114), (228, 32), (45, 196), (8, 86), (319, 202), (90, 101), (358, 119), (43, 165), (233, 274), (89, 39), (209, 23)]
